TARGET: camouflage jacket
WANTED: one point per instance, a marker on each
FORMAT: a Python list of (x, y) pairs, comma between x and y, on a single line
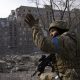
[(65, 45), (66, 42)]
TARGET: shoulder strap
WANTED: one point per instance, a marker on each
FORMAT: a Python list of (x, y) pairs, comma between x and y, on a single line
[(78, 40)]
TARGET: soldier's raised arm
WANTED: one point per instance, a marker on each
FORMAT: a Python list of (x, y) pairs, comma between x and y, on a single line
[(63, 42), (41, 41)]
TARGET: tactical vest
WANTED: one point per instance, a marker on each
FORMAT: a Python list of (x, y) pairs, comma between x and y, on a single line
[(76, 60), (74, 63), (78, 49)]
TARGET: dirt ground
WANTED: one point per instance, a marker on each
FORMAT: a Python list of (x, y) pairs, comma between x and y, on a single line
[(17, 76), (20, 75), (23, 68)]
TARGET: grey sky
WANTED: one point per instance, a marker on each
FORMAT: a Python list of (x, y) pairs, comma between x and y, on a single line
[(7, 5)]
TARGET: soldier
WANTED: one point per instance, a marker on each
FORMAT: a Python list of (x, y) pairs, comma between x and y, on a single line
[(65, 45)]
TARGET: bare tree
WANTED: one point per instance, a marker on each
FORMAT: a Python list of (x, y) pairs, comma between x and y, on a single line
[(63, 6)]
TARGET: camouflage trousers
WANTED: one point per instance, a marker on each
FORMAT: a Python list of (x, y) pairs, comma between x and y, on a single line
[(70, 74)]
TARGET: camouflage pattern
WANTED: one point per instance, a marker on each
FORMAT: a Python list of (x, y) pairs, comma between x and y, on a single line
[(41, 41), (60, 24), (69, 75), (66, 55), (67, 48), (47, 76)]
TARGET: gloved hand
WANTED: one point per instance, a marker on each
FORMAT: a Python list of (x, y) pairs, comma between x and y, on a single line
[(30, 20)]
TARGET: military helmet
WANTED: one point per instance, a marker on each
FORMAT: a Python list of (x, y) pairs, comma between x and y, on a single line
[(59, 24)]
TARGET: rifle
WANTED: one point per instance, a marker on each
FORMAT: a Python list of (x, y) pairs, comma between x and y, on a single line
[(43, 62), (47, 61)]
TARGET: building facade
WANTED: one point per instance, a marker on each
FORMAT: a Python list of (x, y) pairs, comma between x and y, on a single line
[(16, 36)]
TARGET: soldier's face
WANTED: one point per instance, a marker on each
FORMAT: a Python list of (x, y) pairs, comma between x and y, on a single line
[(53, 32)]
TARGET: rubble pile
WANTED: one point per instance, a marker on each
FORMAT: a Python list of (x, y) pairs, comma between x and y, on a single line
[(14, 63), (18, 67)]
